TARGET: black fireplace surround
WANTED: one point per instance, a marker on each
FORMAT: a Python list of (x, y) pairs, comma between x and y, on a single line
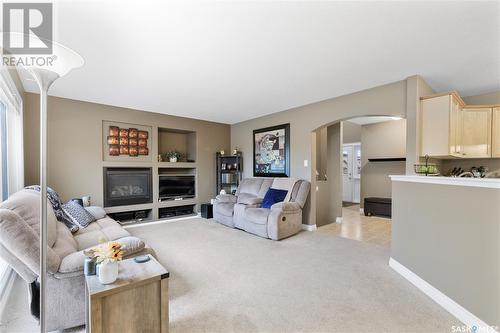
[(127, 186)]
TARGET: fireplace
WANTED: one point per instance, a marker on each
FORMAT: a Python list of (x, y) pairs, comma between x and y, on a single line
[(127, 186)]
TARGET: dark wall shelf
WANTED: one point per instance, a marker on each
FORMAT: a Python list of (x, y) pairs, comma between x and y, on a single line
[(229, 172), (389, 159)]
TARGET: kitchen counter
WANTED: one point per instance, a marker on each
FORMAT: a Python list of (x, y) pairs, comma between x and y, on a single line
[(458, 181), (446, 241)]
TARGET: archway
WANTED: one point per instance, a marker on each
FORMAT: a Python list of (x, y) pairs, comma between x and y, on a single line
[(327, 163)]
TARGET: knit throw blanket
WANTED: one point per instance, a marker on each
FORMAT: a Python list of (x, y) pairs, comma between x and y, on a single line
[(56, 203)]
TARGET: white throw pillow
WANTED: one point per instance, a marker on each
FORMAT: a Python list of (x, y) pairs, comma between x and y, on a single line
[(96, 211)]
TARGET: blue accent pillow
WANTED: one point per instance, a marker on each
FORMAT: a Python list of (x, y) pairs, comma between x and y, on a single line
[(273, 196)]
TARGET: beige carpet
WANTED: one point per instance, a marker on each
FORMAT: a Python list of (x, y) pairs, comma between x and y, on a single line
[(225, 280)]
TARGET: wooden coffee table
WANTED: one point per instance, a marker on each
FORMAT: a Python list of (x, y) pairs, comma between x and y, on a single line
[(136, 302)]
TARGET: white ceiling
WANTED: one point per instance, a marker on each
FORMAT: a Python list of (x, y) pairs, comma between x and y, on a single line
[(232, 61)]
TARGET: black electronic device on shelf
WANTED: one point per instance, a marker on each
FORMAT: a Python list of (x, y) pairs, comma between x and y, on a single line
[(177, 187)]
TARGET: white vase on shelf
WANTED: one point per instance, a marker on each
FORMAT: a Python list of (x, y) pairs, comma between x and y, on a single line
[(108, 272), (173, 159)]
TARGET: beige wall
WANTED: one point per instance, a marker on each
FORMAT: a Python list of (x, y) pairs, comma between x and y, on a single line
[(351, 132), (183, 143), (321, 153), (329, 180), (388, 99), (69, 119), (416, 87), (381, 140), (334, 174), (449, 236), (75, 163)]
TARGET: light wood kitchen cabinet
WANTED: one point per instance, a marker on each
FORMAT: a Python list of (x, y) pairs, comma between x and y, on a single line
[(441, 126), (476, 132), (451, 129), (456, 127), (495, 144)]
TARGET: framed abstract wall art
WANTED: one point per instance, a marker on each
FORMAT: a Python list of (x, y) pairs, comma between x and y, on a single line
[(271, 151)]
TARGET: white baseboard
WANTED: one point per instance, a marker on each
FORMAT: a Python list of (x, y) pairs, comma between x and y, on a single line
[(447, 303), (309, 227), (169, 220), (338, 220)]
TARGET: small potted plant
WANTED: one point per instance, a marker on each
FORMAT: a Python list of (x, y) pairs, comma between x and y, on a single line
[(107, 255), (173, 156)]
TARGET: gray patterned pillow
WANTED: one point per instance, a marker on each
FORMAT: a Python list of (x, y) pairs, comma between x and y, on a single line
[(57, 207), (78, 214)]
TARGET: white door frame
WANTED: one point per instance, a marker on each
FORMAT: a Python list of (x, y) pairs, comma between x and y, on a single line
[(353, 174)]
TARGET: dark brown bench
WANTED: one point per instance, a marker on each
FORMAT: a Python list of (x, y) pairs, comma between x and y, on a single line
[(378, 207)]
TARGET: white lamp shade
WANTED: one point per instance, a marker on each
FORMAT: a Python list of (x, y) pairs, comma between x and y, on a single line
[(61, 61)]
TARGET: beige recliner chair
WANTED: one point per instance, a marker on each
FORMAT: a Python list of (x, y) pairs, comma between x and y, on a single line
[(243, 210), (19, 247)]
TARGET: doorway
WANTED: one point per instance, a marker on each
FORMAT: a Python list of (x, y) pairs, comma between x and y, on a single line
[(347, 170), (351, 173)]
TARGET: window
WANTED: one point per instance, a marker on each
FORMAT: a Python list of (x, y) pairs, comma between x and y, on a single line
[(4, 182), (11, 149), (4, 179)]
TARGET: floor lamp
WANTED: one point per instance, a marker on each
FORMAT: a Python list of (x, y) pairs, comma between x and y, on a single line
[(63, 61)]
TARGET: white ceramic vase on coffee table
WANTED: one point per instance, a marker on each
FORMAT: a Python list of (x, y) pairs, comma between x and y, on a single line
[(108, 272)]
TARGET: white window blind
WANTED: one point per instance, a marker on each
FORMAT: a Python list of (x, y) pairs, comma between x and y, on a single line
[(11, 136), (11, 148), (4, 177)]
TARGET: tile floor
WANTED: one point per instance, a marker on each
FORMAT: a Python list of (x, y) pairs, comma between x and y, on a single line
[(370, 229)]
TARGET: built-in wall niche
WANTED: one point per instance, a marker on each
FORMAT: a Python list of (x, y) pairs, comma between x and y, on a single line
[(132, 217), (177, 211), (177, 171), (180, 141)]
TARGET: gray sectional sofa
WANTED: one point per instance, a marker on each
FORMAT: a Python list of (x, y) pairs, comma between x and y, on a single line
[(243, 210), (19, 247)]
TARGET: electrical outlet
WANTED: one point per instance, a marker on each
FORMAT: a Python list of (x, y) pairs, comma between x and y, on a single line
[(306, 163)]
